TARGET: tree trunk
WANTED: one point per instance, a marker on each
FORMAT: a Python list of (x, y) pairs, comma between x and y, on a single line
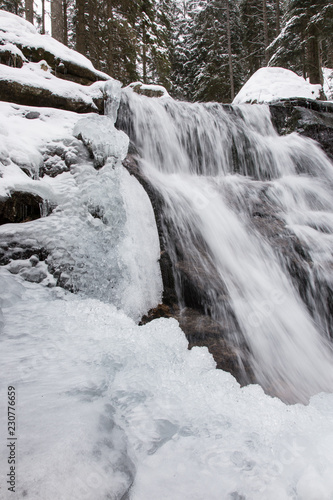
[(110, 41), (65, 21), (144, 54), (29, 10), (277, 17), (57, 20), (43, 17), (313, 58), (231, 71), (266, 42), (80, 27)]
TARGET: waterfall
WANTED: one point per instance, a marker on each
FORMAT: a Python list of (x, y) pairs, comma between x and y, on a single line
[(253, 213)]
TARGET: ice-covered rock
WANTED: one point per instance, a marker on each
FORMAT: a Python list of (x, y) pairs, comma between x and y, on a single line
[(100, 239), (102, 139)]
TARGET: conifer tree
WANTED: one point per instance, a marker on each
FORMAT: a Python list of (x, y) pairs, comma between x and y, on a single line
[(306, 39), (13, 6), (210, 58)]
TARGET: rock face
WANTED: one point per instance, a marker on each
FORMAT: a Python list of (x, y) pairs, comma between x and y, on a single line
[(311, 118), (31, 95), (20, 207)]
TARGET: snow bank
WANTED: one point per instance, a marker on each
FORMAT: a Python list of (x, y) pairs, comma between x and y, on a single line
[(105, 407), (271, 84)]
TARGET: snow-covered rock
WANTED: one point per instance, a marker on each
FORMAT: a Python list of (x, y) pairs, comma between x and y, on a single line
[(149, 90), (34, 84), (17, 32), (272, 84), (37, 70)]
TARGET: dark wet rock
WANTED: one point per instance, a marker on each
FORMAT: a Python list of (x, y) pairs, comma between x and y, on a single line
[(9, 58), (13, 250), (313, 119), (32, 115), (169, 293), (20, 207), (30, 95)]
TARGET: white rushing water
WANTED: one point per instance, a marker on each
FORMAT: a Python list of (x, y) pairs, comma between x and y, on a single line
[(212, 166)]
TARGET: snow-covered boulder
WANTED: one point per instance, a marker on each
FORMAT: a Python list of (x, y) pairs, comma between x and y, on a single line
[(273, 84), (149, 90), (17, 34), (37, 70)]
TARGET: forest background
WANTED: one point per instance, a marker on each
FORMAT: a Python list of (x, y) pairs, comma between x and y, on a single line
[(200, 50)]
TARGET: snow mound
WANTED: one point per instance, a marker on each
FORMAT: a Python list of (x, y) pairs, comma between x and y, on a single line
[(15, 24), (272, 84)]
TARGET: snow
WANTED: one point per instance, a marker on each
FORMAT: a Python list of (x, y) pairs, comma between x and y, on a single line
[(328, 83), (105, 405), (18, 31), (271, 84), (38, 75)]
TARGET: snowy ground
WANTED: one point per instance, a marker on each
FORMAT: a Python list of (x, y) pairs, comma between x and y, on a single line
[(103, 404)]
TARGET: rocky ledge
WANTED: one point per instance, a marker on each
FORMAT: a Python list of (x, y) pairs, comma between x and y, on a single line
[(308, 117)]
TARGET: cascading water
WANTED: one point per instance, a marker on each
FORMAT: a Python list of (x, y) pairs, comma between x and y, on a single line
[(213, 167)]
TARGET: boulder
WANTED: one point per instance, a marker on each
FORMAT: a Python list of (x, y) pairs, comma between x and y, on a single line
[(32, 95), (308, 117)]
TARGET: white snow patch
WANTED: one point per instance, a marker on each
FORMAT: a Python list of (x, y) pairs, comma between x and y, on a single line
[(102, 234), (271, 84)]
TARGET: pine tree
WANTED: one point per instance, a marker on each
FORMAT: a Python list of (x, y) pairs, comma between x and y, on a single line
[(13, 6), (210, 57), (259, 22), (306, 39)]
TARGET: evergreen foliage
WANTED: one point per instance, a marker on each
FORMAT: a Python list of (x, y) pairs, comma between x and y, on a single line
[(13, 6), (198, 49), (306, 39)]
